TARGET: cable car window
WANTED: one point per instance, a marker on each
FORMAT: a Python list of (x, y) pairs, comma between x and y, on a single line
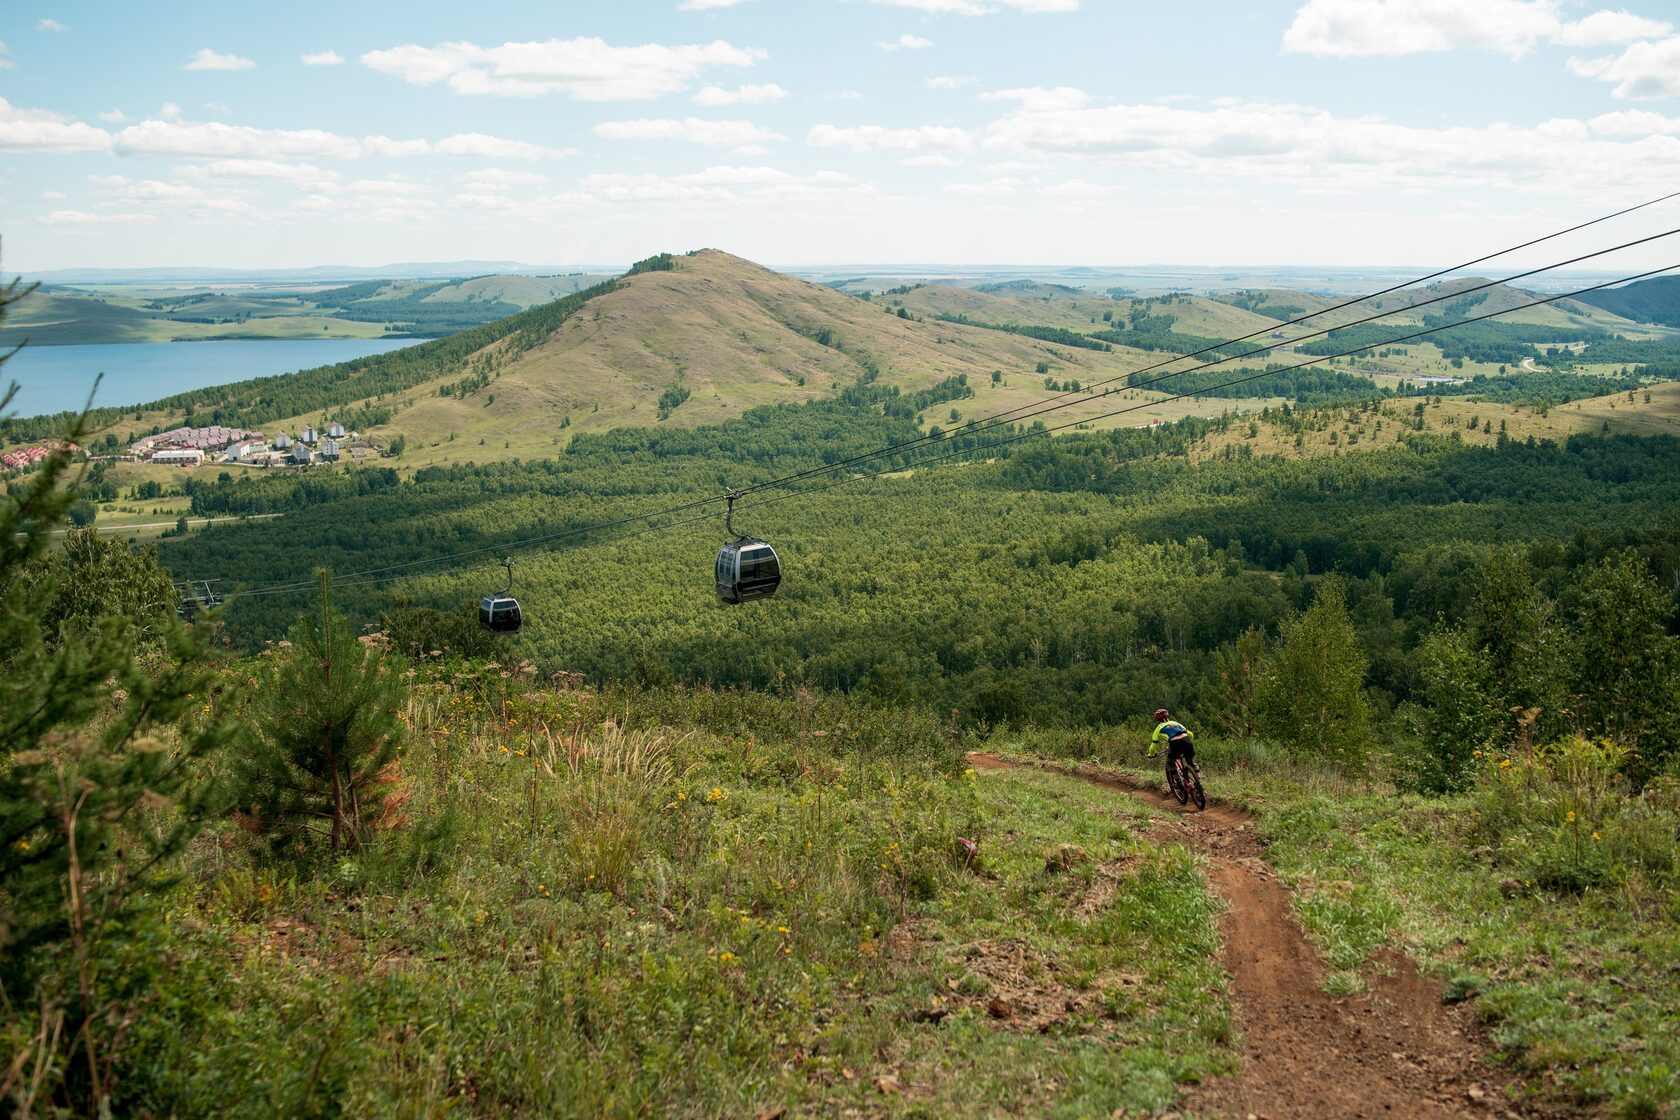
[(759, 563)]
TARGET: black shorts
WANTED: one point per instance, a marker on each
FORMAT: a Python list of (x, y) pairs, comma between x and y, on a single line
[(1181, 747)]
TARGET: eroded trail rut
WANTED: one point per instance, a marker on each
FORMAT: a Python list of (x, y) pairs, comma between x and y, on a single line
[(1396, 1051)]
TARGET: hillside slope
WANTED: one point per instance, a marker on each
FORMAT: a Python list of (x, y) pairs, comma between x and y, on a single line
[(1656, 300), (717, 335)]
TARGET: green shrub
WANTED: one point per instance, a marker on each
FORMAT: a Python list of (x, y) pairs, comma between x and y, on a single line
[(1564, 818)]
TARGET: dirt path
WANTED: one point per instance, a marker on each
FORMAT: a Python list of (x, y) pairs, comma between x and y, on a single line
[(1396, 1051)]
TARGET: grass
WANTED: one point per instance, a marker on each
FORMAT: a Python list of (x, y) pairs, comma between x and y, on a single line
[(1578, 987), (692, 904)]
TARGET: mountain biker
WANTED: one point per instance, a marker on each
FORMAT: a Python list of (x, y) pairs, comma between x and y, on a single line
[(1180, 743)]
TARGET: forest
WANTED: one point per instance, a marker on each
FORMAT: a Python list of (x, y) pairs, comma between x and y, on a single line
[(1074, 582)]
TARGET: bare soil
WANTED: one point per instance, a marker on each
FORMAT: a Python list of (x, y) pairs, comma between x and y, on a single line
[(1398, 1050)]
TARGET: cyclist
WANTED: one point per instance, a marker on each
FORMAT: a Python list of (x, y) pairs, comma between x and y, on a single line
[(1180, 743)]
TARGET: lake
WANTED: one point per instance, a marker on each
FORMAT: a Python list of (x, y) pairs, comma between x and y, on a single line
[(57, 378)]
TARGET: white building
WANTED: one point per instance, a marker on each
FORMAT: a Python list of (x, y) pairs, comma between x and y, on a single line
[(335, 430), (180, 456), (301, 454), (309, 436)]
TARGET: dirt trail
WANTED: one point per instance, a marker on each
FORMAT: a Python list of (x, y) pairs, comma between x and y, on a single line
[(1397, 1051)]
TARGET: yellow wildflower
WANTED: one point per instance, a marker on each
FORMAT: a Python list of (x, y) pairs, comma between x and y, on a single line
[(716, 794), (1570, 819), (1504, 764), (725, 957), (1595, 835)]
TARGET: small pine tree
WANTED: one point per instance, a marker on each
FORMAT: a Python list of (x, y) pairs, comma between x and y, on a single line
[(100, 785), (1309, 696), (330, 733)]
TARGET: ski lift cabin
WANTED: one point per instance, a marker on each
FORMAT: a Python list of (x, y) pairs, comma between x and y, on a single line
[(499, 612), (747, 568)]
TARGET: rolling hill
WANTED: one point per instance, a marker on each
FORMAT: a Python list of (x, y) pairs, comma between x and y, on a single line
[(1656, 300)]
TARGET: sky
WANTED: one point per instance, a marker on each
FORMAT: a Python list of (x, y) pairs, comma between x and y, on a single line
[(805, 132)]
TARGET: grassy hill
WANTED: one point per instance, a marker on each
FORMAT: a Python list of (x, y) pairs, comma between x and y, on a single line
[(1656, 300)]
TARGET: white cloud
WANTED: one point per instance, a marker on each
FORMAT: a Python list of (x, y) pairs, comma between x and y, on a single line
[(934, 159), (1643, 72), (740, 95), (906, 42), (1036, 99), (327, 57), (491, 147), (217, 108), (982, 7), (584, 69), (1362, 28), (875, 138), (496, 178), (718, 134), (1606, 29), (946, 81), (705, 5), (723, 184), (207, 59), (170, 111), (83, 218), (49, 25), (301, 174), (1306, 147), (1635, 122), (179, 140), (38, 130), (53, 195), (113, 116)]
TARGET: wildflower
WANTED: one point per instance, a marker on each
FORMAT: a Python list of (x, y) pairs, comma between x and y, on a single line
[(781, 929), (504, 750), (1475, 754), (1570, 819), (682, 795), (1595, 835), (1504, 764), (22, 845), (716, 794), (520, 753), (725, 957)]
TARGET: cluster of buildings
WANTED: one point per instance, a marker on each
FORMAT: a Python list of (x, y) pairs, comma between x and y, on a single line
[(27, 458), (191, 446)]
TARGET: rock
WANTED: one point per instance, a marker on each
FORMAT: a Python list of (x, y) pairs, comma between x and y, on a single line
[(1475, 1093), (887, 1083), (1065, 857), (999, 1008)]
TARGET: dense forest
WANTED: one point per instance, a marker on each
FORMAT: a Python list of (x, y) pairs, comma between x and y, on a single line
[(1074, 582)]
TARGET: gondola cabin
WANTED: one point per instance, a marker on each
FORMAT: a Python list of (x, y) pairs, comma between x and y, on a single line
[(500, 614), (747, 569), (499, 611)]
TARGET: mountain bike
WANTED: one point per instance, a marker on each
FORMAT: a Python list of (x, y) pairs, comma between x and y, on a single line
[(1185, 781)]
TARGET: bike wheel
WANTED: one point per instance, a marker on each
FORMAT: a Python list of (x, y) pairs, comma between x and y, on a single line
[(1175, 782), (1194, 781)]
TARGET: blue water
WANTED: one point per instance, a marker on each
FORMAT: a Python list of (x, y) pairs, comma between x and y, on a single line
[(57, 378)]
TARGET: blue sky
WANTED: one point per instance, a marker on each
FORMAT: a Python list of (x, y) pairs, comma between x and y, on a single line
[(1100, 132)]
